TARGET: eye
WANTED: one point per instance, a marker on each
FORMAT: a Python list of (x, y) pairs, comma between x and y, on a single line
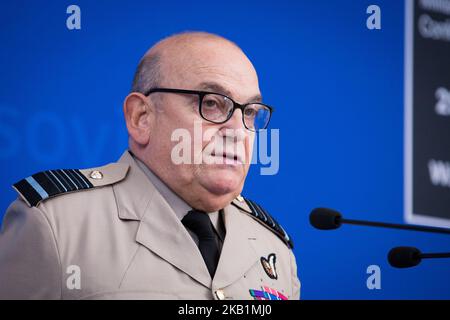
[(210, 103), (250, 112)]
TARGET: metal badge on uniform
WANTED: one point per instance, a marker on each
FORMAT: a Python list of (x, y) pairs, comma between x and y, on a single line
[(97, 175), (220, 294), (269, 267)]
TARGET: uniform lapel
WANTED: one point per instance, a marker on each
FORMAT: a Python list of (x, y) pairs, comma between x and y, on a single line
[(238, 252), (159, 229)]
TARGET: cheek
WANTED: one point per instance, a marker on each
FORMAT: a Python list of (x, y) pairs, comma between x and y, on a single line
[(174, 138), (171, 128), (249, 144)]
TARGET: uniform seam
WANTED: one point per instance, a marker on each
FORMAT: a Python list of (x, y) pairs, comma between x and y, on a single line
[(56, 247), (128, 266), (292, 272), (137, 248)]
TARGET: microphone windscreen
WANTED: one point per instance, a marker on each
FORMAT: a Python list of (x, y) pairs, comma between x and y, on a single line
[(404, 257), (325, 219)]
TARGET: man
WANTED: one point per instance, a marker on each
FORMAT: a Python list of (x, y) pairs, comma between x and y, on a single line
[(152, 226)]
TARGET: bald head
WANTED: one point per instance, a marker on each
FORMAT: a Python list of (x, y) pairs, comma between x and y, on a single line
[(176, 51)]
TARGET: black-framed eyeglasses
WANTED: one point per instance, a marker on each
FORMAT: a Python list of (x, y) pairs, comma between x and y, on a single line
[(219, 108)]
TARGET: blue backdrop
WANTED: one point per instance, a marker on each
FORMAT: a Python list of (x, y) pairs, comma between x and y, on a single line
[(337, 87)]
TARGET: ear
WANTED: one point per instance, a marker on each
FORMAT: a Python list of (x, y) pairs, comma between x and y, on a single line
[(139, 117)]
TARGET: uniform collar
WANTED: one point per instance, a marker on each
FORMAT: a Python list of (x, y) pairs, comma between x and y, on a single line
[(161, 231), (178, 205), (133, 193)]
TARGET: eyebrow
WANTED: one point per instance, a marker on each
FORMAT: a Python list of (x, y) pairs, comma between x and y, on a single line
[(215, 87)]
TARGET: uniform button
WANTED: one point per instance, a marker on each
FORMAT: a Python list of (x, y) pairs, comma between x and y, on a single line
[(97, 175), (220, 294)]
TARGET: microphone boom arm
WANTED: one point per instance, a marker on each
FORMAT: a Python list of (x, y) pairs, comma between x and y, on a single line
[(395, 226)]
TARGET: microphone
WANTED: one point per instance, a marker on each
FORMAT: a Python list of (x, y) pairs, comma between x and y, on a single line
[(329, 219), (406, 257)]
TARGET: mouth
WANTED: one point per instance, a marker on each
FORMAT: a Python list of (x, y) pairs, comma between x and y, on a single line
[(228, 158)]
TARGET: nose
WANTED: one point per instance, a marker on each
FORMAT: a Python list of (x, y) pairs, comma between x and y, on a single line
[(234, 128), (236, 120)]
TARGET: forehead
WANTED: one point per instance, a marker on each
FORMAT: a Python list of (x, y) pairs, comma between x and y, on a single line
[(216, 66), (219, 88)]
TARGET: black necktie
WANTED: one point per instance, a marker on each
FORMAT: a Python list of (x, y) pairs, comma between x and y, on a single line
[(199, 223)]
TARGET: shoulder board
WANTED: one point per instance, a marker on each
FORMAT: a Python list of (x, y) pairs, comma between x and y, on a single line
[(262, 216), (47, 184)]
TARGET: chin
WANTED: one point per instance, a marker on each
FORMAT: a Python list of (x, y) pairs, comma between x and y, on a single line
[(223, 182)]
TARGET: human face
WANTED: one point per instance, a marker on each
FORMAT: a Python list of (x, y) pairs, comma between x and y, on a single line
[(222, 154)]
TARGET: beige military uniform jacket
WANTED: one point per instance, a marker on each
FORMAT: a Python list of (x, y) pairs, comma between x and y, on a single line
[(111, 235)]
